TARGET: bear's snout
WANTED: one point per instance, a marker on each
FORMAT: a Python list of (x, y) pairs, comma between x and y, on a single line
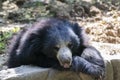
[(64, 57)]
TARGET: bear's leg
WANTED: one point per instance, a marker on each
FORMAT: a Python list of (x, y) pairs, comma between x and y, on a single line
[(90, 62), (82, 65)]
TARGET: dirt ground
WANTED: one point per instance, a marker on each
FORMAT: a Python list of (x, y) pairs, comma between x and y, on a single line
[(105, 29)]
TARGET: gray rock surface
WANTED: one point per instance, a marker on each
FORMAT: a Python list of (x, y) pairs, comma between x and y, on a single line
[(116, 69), (24, 73), (36, 73)]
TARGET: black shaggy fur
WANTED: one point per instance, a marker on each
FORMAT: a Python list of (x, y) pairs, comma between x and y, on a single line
[(36, 46)]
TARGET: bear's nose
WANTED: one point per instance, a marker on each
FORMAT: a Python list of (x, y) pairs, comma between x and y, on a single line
[(64, 56), (66, 62)]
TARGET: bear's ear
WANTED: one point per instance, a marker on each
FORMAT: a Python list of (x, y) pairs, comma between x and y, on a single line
[(80, 32)]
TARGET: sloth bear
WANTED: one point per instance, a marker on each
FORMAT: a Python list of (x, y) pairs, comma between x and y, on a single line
[(56, 43)]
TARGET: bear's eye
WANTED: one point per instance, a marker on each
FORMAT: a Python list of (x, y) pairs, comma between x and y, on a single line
[(56, 48), (70, 45)]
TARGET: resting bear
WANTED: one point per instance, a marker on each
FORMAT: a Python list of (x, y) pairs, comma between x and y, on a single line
[(56, 43)]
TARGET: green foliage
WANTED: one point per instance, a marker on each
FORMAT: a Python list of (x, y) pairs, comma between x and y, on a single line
[(3, 40), (4, 37)]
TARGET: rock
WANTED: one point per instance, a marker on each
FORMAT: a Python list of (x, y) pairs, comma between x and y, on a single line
[(10, 7), (94, 11), (62, 75), (109, 70), (37, 73), (118, 32), (107, 49), (88, 30), (111, 33), (60, 9), (116, 69), (24, 73)]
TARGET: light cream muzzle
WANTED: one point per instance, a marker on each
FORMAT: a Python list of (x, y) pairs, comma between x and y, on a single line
[(64, 57)]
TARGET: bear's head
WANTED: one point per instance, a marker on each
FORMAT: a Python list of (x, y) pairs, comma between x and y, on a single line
[(60, 41)]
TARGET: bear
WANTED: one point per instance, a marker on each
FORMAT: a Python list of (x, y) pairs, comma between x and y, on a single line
[(56, 43)]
